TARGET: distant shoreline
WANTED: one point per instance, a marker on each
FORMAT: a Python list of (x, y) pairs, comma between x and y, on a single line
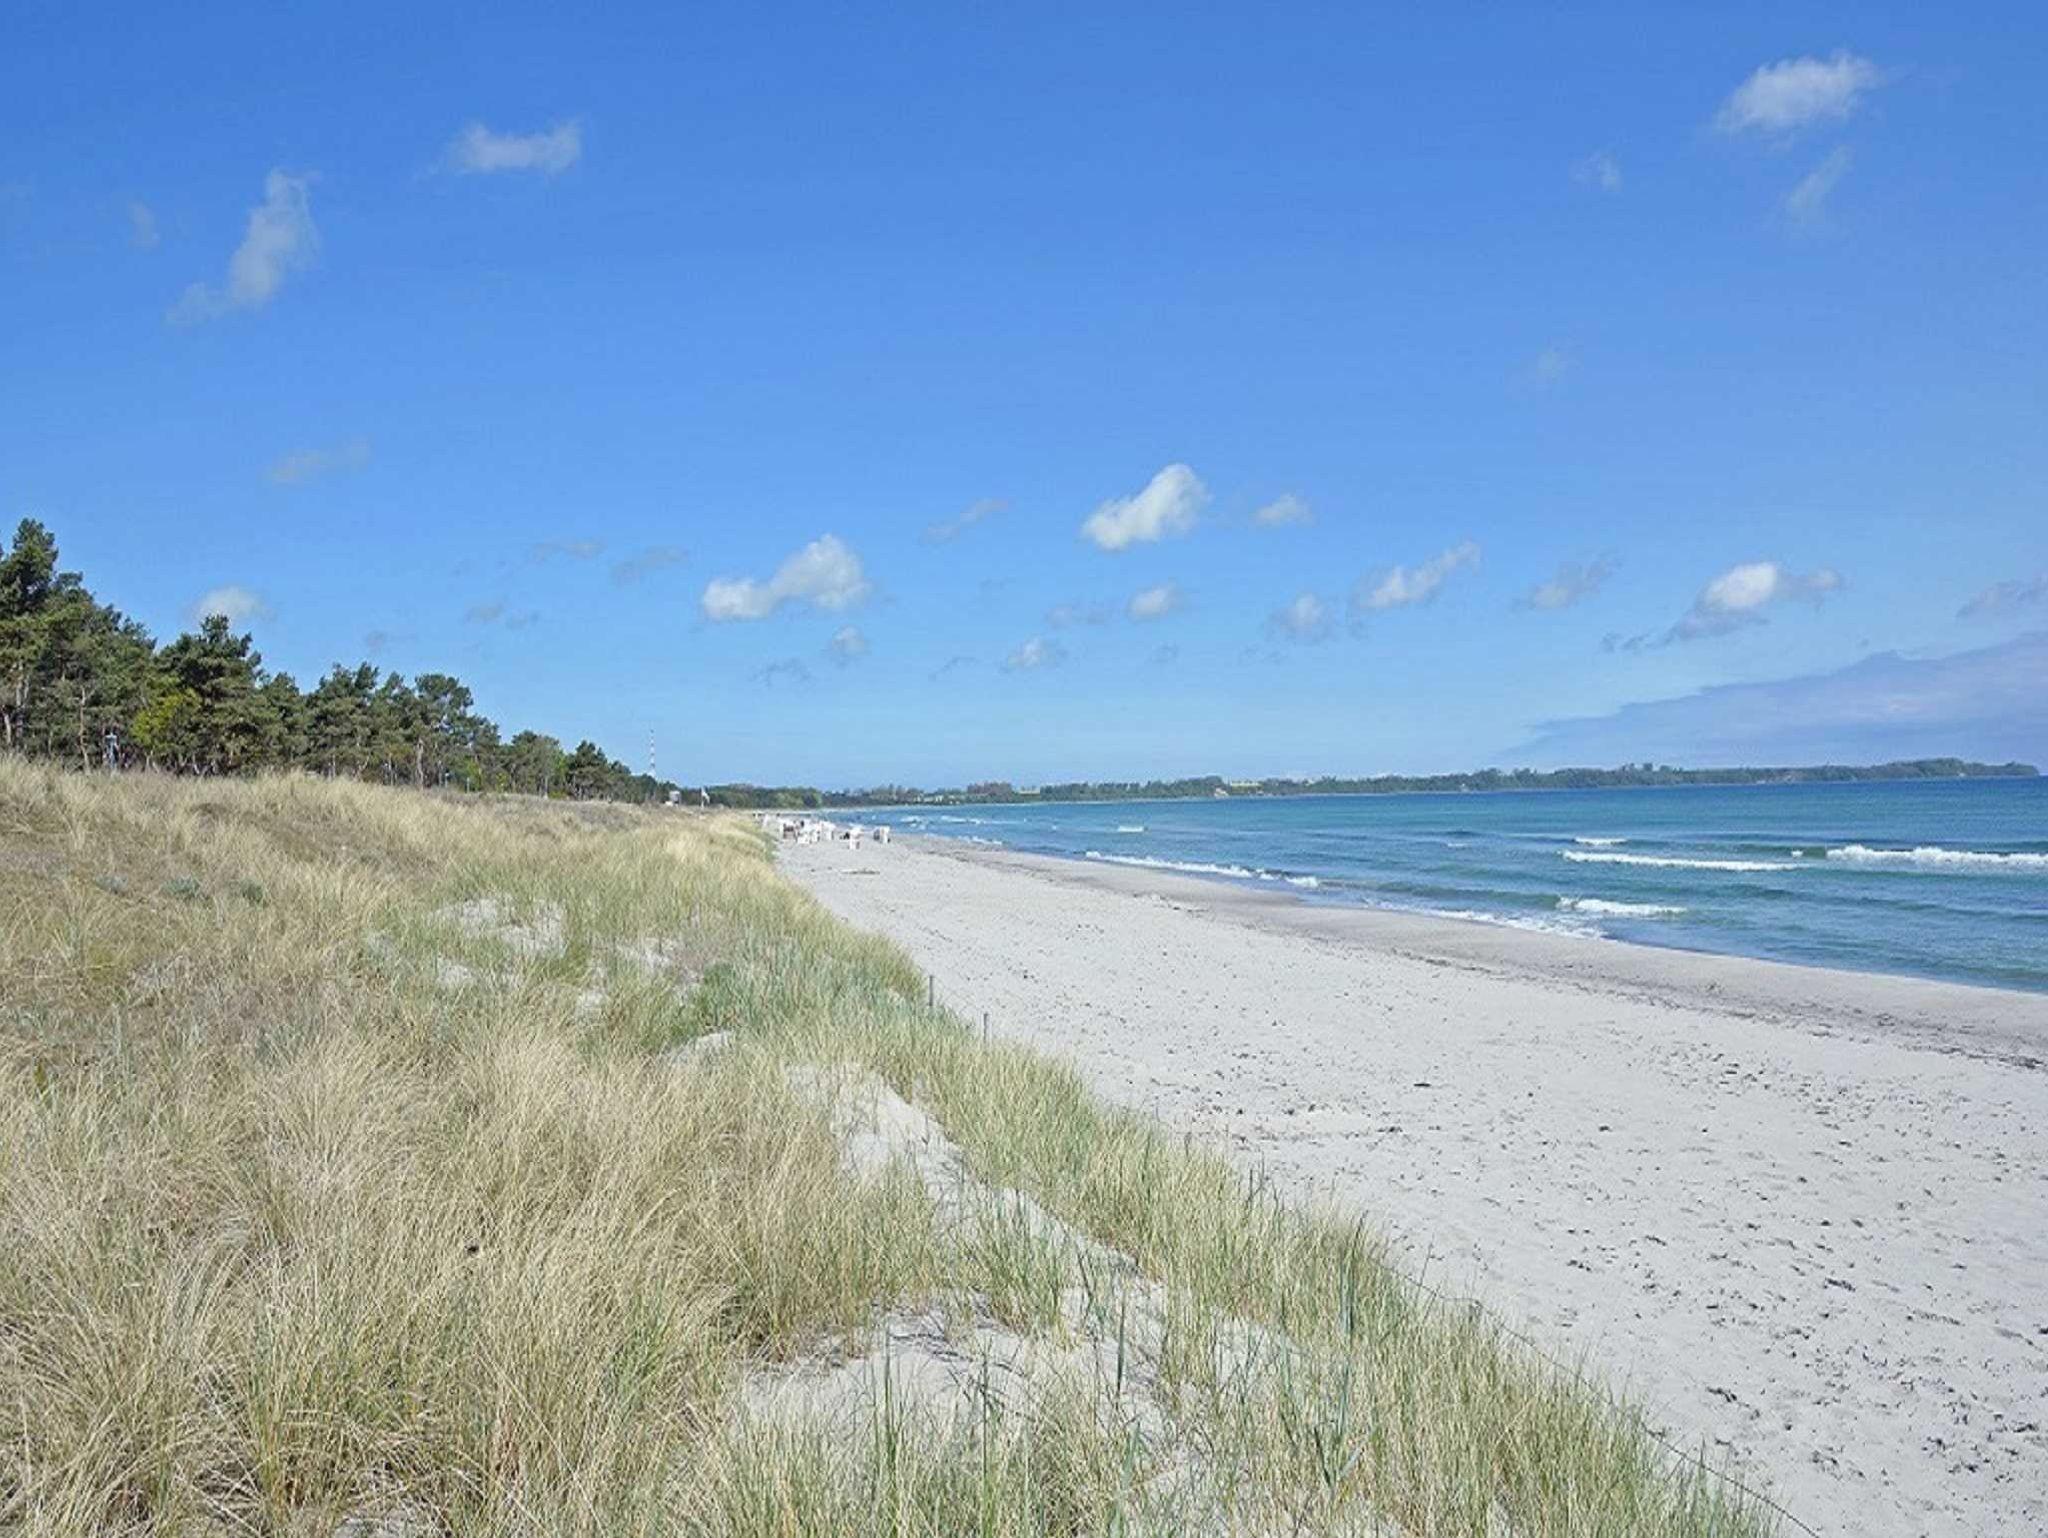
[(1917, 771), (1362, 795)]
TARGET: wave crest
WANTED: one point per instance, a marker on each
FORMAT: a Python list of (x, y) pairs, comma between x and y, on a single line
[(1671, 861), (1935, 856)]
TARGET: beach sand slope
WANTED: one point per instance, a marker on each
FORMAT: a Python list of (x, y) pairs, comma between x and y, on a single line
[(1801, 1214)]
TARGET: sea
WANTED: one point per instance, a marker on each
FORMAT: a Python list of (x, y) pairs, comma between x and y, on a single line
[(1932, 878)]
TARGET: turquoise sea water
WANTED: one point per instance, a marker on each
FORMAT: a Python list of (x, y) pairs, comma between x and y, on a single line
[(1936, 878)]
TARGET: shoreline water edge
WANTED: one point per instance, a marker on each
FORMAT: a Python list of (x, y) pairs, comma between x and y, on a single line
[(1943, 880)]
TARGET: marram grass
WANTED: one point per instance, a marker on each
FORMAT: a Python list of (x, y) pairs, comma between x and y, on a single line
[(322, 1213)]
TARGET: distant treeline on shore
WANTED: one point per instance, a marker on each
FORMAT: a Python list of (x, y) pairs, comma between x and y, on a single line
[(1210, 786)]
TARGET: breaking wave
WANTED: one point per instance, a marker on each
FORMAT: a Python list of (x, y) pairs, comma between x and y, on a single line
[(1936, 857), (1600, 905), (1671, 861)]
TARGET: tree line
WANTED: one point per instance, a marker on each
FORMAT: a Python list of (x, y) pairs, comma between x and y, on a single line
[(81, 682)]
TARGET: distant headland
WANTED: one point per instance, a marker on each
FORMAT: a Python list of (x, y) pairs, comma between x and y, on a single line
[(1002, 792)]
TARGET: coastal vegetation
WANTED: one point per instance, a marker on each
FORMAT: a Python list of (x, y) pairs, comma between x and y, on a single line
[(83, 684), (377, 1162)]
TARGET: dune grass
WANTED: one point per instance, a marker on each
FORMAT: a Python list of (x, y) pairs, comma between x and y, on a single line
[(331, 1204)]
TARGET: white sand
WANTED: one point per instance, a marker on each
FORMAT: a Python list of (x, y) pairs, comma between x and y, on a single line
[(1802, 1214)]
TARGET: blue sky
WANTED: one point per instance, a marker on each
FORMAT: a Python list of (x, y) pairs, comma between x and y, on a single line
[(849, 395)]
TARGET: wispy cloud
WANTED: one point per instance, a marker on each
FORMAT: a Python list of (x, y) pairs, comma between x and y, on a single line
[(1065, 616), (279, 240), (1170, 504), (789, 670), (377, 642), (1036, 653), (2006, 595), (1165, 656), (311, 464), (1574, 583), (233, 602), (1989, 703), (1784, 97), (1284, 511), (1400, 587), (143, 234), (1305, 619), (1599, 169), (848, 645), (568, 549), (494, 611), (1742, 594), (974, 512), (1806, 204), (648, 562), (952, 664), (824, 574), (1548, 369), (1154, 602), (478, 151)]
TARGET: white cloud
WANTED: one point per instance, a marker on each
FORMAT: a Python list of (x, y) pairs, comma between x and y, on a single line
[(968, 516), (1035, 653), (280, 238), (1169, 504), (824, 574), (847, 645), (1599, 169), (1572, 584), (1154, 602), (478, 151), (1741, 594), (1808, 201), (1400, 588), (2005, 595), (1792, 93), (1284, 510), (142, 230), (1306, 619), (311, 464), (235, 603)]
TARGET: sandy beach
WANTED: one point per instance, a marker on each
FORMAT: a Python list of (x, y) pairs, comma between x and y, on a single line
[(1801, 1214)]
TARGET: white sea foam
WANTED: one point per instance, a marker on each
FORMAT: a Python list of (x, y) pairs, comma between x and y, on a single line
[(1599, 843), (1518, 921), (1303, 881), (1934, 856), (1600, 905), (1191, 867), (1130, 827), (1671, 861)]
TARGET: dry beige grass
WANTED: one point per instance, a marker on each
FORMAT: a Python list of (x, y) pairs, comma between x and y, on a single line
[(322, 1212)]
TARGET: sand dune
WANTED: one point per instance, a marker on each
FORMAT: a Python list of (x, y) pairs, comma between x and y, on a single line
[(1802, 1214)]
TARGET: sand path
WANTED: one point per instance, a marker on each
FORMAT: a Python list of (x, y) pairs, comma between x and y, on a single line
[(1802, 1215)]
